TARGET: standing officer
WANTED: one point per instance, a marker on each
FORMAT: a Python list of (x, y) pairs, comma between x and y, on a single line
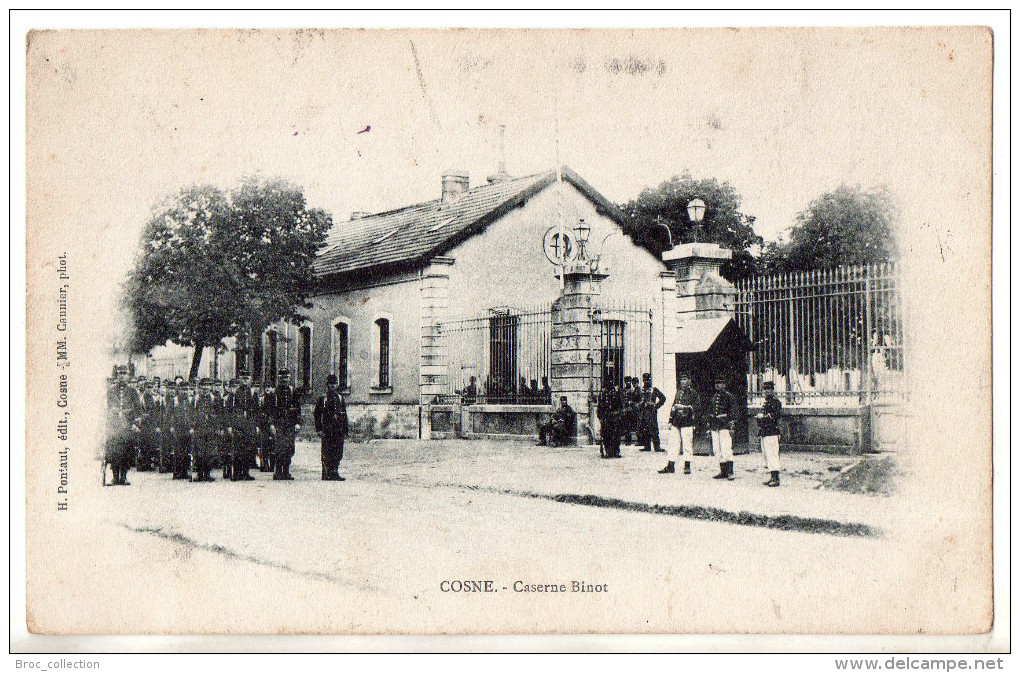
[(768, 431), (205, 422), (263, 421), (652, 400), (286, 423), (242, 429), (182, 431), (720, 426), (331, 424), (609, 411), (682, 417), (118, 453)]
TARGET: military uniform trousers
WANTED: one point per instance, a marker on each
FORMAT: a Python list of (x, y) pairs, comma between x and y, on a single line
[(332, 453), (283, 450), (722, 445), (648, 429), (770, 449), (681, 442)]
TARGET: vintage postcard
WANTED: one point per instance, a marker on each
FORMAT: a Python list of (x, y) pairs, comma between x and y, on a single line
[(679, 331)]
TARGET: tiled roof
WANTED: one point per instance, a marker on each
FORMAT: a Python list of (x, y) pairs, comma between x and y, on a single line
[(414, 234)]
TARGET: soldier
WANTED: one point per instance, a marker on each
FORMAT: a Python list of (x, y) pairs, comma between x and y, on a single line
[(242, 430), (225, 428), (682, 417), (286, 423), (631, 402), (560, 430), (203, 449), (768, 431), (148, 425), (263, 420), (166, 439), (609, 411), (331, 424), (652, 400), (182, 431), (720, 425), (118, 445)]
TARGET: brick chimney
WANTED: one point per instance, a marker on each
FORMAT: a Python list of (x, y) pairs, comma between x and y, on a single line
[(455, 183)]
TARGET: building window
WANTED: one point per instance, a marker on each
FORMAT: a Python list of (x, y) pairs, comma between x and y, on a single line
[(340, 352), (612, 351), (382, 328), (502, 380), (304, 357)]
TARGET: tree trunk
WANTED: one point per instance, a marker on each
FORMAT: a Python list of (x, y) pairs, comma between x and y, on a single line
[(196, 360)]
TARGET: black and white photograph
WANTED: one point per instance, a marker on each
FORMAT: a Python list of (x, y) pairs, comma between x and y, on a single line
[(476, 332)]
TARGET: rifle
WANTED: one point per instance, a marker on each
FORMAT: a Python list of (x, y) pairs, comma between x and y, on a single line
[(105, 463)]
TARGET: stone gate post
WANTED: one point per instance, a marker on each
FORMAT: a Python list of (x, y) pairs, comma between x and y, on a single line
[(576, 352)]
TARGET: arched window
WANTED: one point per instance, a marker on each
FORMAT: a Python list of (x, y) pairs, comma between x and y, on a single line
[(382, 352), (304, 357), (340, 348)]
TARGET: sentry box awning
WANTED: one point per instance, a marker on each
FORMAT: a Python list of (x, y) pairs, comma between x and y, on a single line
[(711, 334)]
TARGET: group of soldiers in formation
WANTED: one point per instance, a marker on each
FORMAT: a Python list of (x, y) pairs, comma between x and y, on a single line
[(190, 430), (634, 407)]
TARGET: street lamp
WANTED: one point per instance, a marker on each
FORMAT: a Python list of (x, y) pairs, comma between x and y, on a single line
[(696, 212), (583, 232)]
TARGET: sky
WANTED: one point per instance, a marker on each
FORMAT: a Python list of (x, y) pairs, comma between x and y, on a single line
[(369, 119)]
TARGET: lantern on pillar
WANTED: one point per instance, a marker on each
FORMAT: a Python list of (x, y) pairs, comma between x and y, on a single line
[(696, 213), (583, 232)]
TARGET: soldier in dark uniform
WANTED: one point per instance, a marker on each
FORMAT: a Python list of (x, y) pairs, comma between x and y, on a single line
[(148, 424), (682, 417), (204, 448), (768, 431), (609, 411), (242, 430), (652, 400), (631, 396), (331, 424), (263, 420), (720, 427), (225, 430), (118, 452), (286, 423), (177, 407), (560, 430)]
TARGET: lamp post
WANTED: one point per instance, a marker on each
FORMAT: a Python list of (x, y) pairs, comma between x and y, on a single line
[(583, 232), (696, 212)]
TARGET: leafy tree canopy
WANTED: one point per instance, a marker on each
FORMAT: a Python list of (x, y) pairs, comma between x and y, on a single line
[(846, 226), (213, 266), (723, 223)]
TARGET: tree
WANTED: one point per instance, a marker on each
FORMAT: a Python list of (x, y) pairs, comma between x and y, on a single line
[(723, 223), (846, 226), (213, 267)]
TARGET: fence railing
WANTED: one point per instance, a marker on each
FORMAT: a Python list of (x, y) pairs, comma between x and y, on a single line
[(833, 335), (501, 357), (505, 355)]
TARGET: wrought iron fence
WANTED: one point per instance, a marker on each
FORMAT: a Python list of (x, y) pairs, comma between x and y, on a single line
[(505, 356), (624, 339), (832, 335), (502, 357)]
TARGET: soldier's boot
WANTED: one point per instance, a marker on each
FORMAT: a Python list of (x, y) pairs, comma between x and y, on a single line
[(286, 469), (774, 481), (729, 470), (277, 471), (669, 469), (722, 472), (687, 467)]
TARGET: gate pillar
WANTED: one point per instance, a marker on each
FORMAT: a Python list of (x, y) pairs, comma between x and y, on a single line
[(576, 353)]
